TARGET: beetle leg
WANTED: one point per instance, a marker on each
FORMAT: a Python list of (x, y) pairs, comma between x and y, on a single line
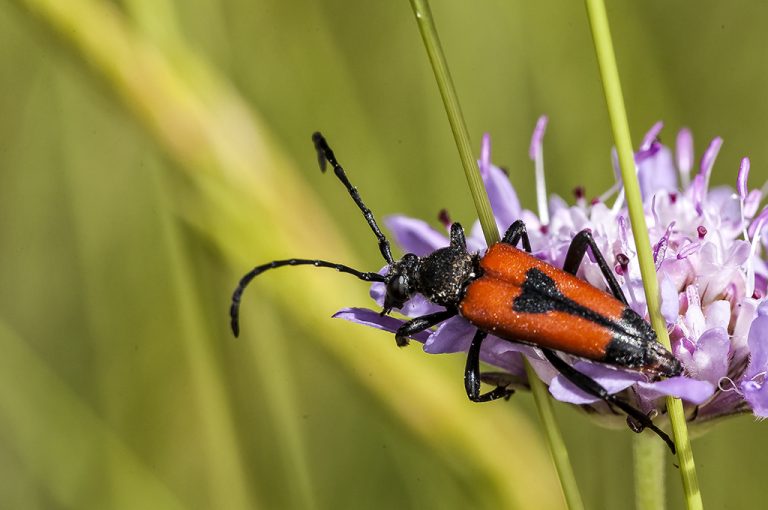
[(576, 253), (457, 236), (419, 324), (472, 374), (589, 385), (515, 233)]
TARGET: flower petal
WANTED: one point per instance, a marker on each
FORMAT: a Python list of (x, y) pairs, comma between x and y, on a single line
[(690, 390), (757, 395), (656, 172), (415, 236), (670, 301), (372, 318), (611, 379), (417, 306), (476, 239), (758, 344), (506, 355), (504, 201), (718, 314), (453, 335), (710, 360)]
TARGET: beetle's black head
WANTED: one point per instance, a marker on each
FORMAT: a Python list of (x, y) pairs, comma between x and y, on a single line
[(401, 282), (440, 276)]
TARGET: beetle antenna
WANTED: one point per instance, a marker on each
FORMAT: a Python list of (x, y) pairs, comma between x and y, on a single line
[(325, 155), (234, 309)]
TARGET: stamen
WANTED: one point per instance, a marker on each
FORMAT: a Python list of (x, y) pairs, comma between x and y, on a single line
[(651, 136), (579, 193), (757, 221), (741, 179), (536, 153), (444, 218), (624, 238), (647, 153), (731, 386), (654, 211), (702, 231), (485, 154), (661, 247), (708, 159), (688, 250), (741, 187), (607, 193), (693, 296), (752, 202), (619, 203), (622, 264), (698, 191), (684, 153), (750, 283)]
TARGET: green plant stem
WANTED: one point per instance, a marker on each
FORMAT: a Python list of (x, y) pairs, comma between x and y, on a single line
[(648, 454), (556, 444), (612, 87), (456, 119), (450, 99)]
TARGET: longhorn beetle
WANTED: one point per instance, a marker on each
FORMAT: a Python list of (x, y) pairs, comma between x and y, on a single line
[(513, 295)]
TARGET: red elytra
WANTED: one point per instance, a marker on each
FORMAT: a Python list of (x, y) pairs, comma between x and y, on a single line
[(486, 304)]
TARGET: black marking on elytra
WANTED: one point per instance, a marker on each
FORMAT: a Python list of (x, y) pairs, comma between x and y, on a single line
[(639, 347), (541, 295), (635, 324)]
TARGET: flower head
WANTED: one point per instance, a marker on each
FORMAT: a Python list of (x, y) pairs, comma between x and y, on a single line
[(706, 247)]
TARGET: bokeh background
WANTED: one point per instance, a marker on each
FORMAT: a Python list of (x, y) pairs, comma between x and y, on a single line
[(151, 151)]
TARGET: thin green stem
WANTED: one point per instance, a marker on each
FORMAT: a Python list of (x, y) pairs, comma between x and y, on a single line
[(444, 82), (556, 444), (648, 454), (451, 101), (612, 87)]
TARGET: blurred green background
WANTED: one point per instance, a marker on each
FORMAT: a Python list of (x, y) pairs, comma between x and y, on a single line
[(152, 151)]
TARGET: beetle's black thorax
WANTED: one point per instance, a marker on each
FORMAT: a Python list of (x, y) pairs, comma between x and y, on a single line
[(443, 275)]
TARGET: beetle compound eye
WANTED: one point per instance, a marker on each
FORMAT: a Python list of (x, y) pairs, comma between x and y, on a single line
[(398, 292), (401, 286), (398, 288)]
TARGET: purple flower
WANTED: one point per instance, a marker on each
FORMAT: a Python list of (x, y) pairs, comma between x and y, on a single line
[(707, 247)]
